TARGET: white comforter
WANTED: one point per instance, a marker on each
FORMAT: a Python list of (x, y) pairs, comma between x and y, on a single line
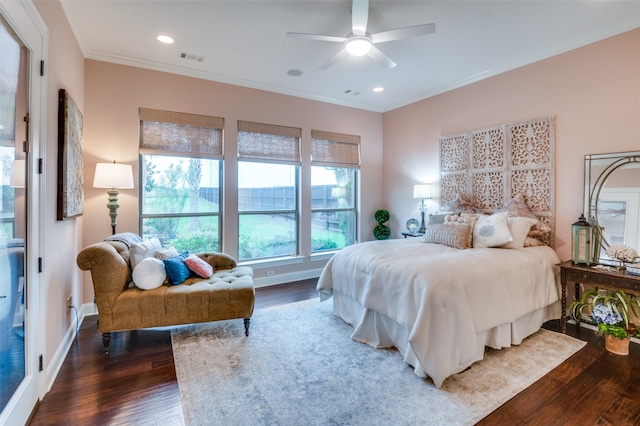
[(445, 297)]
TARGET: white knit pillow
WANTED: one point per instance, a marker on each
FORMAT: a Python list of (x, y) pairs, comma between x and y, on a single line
[(139, 251), (149, 273)]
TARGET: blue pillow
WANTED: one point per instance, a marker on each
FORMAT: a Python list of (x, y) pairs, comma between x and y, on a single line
[(177, 270)]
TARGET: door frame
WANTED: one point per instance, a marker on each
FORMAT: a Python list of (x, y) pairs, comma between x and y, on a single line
[(25, 20)]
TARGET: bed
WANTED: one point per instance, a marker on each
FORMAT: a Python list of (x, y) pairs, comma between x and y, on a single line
[(441, 304)]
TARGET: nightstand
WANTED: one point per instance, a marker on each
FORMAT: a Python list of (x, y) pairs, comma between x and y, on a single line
[(409, 234)]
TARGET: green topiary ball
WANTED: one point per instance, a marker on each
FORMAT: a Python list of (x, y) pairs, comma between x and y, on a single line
[(382, 216), (382, 232)]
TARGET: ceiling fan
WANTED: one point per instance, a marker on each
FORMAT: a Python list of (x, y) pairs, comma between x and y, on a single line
[(359, 42)]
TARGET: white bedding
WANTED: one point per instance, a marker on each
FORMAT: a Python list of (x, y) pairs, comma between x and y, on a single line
[(438, 305)]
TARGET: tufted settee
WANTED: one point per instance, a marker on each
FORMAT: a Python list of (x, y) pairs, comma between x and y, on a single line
[(228, 294)]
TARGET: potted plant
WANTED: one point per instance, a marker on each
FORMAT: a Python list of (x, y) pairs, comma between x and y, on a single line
[(611, 311)]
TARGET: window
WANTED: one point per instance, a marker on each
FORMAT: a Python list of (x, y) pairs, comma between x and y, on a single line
[(180, 168), (268, 169), (335, 159)]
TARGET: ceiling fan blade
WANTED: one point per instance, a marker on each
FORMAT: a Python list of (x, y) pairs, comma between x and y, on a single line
[(359, 17), (400, 33), (335, 58), (319, 37), (377, 55)]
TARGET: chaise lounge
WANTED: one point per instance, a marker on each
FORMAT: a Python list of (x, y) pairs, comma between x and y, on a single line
[(228, 294)]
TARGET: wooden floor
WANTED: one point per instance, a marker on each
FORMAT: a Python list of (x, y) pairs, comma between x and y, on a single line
[(136, 383)]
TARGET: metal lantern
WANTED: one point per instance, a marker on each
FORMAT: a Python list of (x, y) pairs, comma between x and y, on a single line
[(582, 239)]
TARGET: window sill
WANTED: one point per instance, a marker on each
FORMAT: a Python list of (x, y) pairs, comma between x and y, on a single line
[(325, 255), (274, 261)]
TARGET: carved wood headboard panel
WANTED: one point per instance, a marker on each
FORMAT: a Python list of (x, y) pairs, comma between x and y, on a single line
[(494, 164)]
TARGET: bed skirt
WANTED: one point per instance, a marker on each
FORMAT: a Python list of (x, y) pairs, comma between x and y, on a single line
[(380, 331)]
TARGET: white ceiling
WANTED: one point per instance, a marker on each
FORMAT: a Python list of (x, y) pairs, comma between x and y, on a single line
[(244, 43)]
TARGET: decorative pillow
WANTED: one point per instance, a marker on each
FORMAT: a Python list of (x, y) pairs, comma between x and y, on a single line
[(128, 238), (142, 250), (462, 204), (149, 273), (491, 231), (437, 218), (519, 229), (533, 242), (198, 266), (469, 218), (177, 270), (452, 234), (167, 253), (517, 207)]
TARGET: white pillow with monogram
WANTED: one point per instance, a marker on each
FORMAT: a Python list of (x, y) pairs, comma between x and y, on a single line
[(491, 231)]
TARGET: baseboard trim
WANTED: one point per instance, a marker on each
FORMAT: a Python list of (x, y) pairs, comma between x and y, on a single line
[(287, 278), (63, 349)]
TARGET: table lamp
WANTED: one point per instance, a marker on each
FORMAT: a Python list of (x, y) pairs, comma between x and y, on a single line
[(113, 176)]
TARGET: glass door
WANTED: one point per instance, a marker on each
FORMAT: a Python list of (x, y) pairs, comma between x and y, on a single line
[(23, 40), (13, 102)]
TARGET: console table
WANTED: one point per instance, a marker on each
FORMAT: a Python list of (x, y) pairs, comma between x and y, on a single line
[(581, 274)]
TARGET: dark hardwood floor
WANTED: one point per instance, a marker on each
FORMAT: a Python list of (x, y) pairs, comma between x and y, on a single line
[(136, 383)]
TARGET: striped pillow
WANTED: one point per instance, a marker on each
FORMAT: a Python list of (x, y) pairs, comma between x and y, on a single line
[(452, 234)]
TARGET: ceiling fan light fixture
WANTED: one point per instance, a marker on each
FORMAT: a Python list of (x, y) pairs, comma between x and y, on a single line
[(358, 46)]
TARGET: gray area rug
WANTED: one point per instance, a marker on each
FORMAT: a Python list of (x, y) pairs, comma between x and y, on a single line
[(299, 366)]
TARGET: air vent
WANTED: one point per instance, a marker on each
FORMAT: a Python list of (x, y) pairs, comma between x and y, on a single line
[(351, 92), (192, 57)]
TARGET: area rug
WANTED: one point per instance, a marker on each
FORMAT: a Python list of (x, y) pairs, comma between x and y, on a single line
[(299, 366)]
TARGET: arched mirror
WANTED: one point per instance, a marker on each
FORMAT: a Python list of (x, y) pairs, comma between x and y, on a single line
[(612, 198)]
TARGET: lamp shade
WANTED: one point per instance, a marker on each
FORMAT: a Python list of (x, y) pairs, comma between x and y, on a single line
[(113, 175), (422, 190), (17, 178)]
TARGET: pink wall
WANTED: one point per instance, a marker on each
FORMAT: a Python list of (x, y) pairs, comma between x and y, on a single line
[(593, 91), (62, 239), (115, 92)]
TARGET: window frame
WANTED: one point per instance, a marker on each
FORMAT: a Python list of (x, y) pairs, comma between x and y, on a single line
[(195, 128), (284, 149)]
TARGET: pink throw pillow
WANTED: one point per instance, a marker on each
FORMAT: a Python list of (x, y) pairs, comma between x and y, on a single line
[(198, 266)]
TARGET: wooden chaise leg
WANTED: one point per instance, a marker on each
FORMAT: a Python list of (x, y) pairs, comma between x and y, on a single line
[(247, 322), (106, 339)]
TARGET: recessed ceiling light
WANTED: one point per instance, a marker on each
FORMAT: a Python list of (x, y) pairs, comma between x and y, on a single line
[(294, 73), (164, 39), (378, 89)]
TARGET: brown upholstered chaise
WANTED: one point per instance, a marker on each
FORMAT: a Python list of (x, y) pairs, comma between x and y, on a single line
[(228, 294)]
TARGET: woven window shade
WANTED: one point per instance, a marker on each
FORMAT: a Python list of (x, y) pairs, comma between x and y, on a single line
[(177, 133), (268, 142), (335, 148)]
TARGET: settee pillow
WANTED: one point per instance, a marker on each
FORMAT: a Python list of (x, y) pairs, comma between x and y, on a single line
[(167, 253), (519, 228), (142, 250), (177, 270), (198, 266), (491, 231), (452, 234), (149, 273)]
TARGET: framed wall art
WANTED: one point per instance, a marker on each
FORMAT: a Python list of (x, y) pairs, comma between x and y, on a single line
[(70, 161)]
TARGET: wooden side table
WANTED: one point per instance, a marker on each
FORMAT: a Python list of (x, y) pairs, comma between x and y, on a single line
[(581, 274)]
